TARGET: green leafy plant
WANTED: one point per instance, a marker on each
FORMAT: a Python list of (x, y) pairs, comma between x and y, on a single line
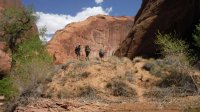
[(6, 88), (196, 35), (33, 65), (14, 23), (173, 49)]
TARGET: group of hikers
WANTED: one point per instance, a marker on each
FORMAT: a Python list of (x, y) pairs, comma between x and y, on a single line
[(87, 52)]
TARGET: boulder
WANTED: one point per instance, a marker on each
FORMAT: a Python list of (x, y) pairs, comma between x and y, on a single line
[(5, 60)]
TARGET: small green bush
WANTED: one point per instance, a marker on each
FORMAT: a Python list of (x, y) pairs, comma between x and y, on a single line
[(108, 85), (196, 35), (6, 88), (180, 80), (32, 50), (33, 66), (158, 67), (170, 44), (14, 23), (173, 48), (88, 91), (119, 88), (85, 74)]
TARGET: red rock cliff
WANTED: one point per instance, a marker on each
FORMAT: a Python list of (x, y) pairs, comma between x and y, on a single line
[(98, 32), (10, 3), (163, 15)]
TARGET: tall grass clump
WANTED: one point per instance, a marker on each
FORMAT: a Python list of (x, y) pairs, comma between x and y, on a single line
[(176, 64), (7, 89), (173, 49), (32, 66)]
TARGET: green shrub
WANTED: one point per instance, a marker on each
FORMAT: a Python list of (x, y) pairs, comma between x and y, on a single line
[(6, 88), (108, 85), (32, 66), (119, 88), (31, 50), (174, 69), (171, 46), (158, 67), (88, 91), (85, 74), (196, 35), (14, 23), (180, 80)]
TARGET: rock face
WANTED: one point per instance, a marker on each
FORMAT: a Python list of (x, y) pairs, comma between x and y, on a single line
[(5, 60), (163, 15), (10, 3), (99, 31)]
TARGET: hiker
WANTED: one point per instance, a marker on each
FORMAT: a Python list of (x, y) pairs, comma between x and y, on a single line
[(78, 51), (101, 53), (87, 52)]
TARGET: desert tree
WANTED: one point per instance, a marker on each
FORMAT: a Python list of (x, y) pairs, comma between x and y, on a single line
[(14, 22)]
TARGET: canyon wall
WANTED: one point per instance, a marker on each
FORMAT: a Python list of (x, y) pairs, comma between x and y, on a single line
[(99, 31), (166, 16)]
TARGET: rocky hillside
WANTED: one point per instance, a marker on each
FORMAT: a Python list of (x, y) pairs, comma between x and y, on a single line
[(163, 15), (115, 85), (99, 31)]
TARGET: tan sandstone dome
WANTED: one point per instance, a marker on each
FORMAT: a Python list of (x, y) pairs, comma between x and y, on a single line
[(159, 15), (99, 31)]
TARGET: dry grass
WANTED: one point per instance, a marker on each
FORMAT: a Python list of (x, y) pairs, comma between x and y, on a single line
[(32, 83), (119, 88), (87, 92)]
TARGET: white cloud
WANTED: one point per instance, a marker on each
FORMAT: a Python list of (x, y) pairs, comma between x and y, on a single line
[(54, 22), (99, 1)]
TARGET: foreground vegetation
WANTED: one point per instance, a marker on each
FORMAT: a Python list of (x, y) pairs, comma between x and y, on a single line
[(31, 64)]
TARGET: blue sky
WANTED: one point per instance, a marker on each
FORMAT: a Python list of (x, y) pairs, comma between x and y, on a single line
[(55, 14)]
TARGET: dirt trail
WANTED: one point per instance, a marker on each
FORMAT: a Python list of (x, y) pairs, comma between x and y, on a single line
[(141, 107), (47, 105)]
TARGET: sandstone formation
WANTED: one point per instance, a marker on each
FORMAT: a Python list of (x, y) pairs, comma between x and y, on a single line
[(5, 60), (163, 15), (99, 31), (10, 3)]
